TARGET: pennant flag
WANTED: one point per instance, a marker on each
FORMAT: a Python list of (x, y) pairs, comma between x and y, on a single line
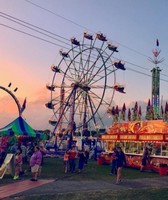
[(124, 108), (23, 106), (148, 106), (166, 108), (136, 107), (157, 42), (116, 110), (129, 115), (113, 111), (122, 115), (140, 112), (162, 111)]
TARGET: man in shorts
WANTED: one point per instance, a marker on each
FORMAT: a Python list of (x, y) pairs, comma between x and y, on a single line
[(35, 162)]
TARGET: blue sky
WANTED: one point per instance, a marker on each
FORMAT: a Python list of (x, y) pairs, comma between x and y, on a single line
[(25, 61)]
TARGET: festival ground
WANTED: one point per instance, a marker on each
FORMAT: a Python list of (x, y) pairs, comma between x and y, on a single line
[(26, 188)]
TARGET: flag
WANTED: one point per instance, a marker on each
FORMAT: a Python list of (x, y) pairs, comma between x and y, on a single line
[(148, 106), (23, 106), (157, 42), (140, 112), (124, 108), (162, 111), (166, 112), (113, 111), (136, 107), (129, 115), (122, 115), (116, 110)]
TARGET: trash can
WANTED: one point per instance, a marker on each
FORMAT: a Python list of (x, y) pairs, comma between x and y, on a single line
[(163, 168), (100, 161)]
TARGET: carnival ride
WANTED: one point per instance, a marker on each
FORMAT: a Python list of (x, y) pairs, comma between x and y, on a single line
[(82, 87), (13, 96)]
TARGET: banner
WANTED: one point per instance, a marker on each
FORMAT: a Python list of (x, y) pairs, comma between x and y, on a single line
[(7, 166)]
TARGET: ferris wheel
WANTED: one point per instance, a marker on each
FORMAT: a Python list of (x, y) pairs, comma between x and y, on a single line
[(82, 87)]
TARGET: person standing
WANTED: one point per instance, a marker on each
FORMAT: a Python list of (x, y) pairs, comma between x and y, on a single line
[(72, 159), (43, 152), (86, 155), (24, 153), (18, 163), (120, 162), (66, 161), (114, 162), (145, 157), (35, 162), (81, 161)]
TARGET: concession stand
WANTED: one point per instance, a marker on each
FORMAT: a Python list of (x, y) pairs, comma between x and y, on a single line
[(133, 137)]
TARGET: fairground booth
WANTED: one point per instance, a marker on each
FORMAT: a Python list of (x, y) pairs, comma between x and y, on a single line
[(133, 137)]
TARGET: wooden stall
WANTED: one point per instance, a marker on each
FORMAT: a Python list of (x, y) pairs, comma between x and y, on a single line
[(133, 137)]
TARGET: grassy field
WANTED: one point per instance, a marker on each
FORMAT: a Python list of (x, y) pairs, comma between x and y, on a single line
[(53, 169), (144, 194)]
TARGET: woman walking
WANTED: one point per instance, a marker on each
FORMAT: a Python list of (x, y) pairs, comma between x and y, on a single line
[(145, 158), (120, 162), (81, 161)]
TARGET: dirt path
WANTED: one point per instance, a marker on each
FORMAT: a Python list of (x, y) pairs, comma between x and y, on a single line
[(66, 186)]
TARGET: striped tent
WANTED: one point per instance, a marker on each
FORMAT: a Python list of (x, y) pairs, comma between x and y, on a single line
[(19, 127)]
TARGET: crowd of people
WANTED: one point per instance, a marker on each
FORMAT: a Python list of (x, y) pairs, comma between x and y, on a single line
[(74, 160), (34, 155)]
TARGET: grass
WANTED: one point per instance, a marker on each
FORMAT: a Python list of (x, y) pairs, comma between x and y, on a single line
[(152, 194), (53, 169)]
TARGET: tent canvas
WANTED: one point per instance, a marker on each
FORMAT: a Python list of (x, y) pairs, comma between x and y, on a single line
[(19, 127)]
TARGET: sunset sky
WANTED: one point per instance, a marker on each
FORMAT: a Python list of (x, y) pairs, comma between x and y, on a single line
[(26, 55)]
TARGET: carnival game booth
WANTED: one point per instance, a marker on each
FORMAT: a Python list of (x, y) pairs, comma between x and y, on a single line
[(133, 137)]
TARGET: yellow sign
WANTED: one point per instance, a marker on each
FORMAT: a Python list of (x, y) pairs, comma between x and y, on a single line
[(128, 137), (151, 137), (109, 137)]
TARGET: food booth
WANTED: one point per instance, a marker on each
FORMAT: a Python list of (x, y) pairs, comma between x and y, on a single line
[(133, 137)]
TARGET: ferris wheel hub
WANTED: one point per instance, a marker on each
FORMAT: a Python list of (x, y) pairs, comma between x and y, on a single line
[(82, 86)]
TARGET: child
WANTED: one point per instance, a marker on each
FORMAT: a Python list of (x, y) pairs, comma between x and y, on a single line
[(66, 161), (18, 163)]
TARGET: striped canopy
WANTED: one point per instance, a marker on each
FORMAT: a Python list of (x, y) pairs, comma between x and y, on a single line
[(19, 127)]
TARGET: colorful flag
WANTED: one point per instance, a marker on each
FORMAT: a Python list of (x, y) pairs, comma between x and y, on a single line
[(23, 106), (129, 115), (116, 110), (162, 111), (148, 106), (157, 42), (124, 108), (122, 115), (140, 112)]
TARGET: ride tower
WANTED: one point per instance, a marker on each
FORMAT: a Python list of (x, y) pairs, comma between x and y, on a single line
[(155, 98)]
